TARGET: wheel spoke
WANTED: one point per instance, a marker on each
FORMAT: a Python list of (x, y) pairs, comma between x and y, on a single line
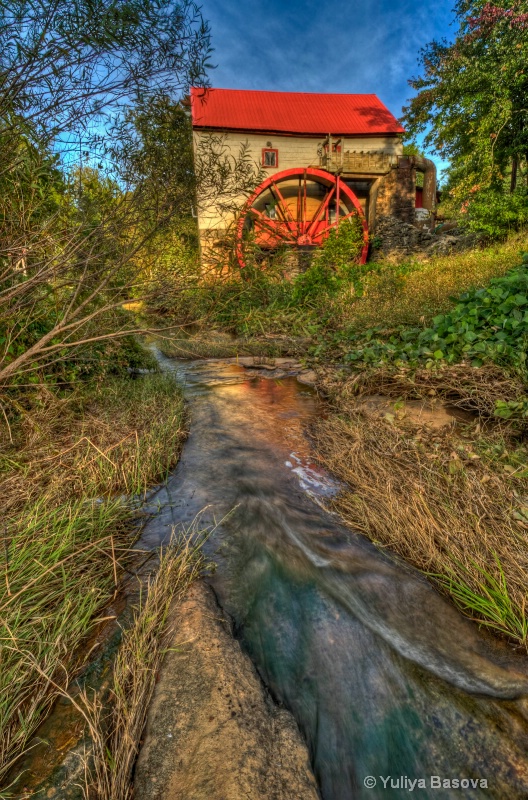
[(299, 209), (338, 201), (278, 230), (304, 204), (281, 203), (322, 207), (335, 224)]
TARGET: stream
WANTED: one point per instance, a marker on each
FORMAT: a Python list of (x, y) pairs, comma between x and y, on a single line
[(393, 690)]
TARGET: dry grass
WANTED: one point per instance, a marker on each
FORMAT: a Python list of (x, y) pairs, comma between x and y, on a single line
[(475, 389), (204, 346), (431, 498), (120, 436), (395, 296), (66, 531), (116, 726)]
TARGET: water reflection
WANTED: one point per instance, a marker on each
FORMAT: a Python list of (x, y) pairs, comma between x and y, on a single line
[(383, 676)]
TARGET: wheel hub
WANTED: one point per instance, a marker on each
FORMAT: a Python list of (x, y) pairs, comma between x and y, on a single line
[(304, 239)]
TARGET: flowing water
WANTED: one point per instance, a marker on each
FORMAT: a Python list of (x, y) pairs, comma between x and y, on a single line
[(383, 676)]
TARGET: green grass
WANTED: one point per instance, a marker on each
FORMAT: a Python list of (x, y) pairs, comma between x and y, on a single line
[(488, 601), (58, 568), (415, 291), (148, 415), (68, 529)]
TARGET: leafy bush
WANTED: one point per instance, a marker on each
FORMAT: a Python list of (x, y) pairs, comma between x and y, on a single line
[(333, 266), (488, 324), (496, 212)]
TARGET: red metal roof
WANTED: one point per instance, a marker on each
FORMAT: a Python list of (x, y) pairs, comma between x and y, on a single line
[(291, 112)]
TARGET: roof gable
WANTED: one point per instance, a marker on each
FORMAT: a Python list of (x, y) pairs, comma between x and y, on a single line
[(291, 112)]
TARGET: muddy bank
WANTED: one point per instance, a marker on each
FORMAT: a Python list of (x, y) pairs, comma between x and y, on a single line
[(213, 732)]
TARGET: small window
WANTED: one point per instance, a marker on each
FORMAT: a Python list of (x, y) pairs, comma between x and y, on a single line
[(270, 158)]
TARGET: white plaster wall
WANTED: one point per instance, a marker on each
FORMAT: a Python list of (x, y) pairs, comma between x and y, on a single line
[(294, 151)]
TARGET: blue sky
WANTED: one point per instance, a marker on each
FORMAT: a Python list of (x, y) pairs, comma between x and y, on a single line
[(345, 46)]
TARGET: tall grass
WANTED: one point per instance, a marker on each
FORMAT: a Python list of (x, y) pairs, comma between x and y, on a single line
[(414, 291), (203, 345), (58, 567), (66, 531), (116, 726), (486, 598), (119, 436)]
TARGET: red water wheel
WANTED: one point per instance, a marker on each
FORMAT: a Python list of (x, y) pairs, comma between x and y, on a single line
[(297, 209)]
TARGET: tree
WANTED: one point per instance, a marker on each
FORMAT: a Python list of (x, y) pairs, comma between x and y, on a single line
[(71, 249), (154, 154), (66, 61), (472, 106)]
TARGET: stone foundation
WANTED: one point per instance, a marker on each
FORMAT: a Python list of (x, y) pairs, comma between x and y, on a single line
[(393, 237)]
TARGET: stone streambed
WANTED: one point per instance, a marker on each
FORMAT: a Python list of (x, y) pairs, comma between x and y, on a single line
[(309, 662)]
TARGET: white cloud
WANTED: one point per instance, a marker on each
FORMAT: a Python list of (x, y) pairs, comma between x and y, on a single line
[(347, 46)]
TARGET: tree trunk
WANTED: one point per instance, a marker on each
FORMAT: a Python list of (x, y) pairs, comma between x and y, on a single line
[(513, 179)]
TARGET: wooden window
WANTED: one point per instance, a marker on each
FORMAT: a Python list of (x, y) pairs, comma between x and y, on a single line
[(270, 157)]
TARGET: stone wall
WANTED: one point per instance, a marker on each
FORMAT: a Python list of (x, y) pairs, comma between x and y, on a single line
[(396, 193), (393, 238)]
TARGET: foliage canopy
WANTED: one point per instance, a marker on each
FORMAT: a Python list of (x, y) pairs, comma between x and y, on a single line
[(472, 106)]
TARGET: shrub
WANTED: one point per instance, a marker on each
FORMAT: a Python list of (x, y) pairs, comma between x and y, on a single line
[(489, 324), (334, 266), (496, 213)]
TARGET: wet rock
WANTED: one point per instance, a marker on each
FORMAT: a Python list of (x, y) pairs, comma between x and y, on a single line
[(307, 376), (268, 364), (213, 732)]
